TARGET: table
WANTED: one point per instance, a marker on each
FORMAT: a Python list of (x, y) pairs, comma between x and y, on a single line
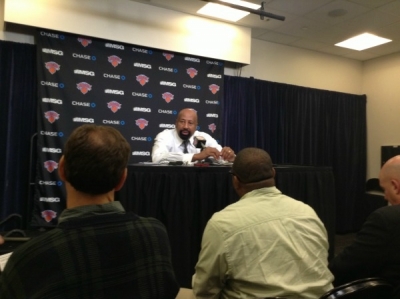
[(185, 197)]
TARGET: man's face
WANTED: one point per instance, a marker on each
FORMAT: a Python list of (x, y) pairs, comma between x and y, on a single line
[(186, 124)]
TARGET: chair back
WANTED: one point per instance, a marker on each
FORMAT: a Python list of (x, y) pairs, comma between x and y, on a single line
[(367, 288)]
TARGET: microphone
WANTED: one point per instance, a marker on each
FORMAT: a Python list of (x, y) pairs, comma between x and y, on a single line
[(199, 142)]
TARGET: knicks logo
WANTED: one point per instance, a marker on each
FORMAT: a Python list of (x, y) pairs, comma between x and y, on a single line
[(84, 87), (214, 88), (114, 106), (50, 165), (49, 215), (84, 41), (168, 56), (191, 72), (142, 123), (51, 116), (114, 60), (167, 96), (142, 79), (52, 67), (212, 127)]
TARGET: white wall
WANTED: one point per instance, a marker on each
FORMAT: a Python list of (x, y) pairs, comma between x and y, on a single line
[(135, 23), (382, 86), (283, 64), (273, 62)]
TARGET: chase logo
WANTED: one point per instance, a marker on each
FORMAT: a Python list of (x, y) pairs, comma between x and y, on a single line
[(52, 67), (52, 35), (143, 51), (148, 139), (214, 63), (84, 41), (114, 122), (51, 116)]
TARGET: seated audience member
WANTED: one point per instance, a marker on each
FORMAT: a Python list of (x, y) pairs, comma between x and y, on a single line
[(169, 145), (265, 245), (375, 249), (97, 249)]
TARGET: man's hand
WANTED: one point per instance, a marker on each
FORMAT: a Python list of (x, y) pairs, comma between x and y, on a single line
[(228, 154), (207, 152)]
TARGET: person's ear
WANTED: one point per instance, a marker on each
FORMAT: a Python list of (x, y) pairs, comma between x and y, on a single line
[(273, 172), (61, 168), (122, 180), (396, 186)]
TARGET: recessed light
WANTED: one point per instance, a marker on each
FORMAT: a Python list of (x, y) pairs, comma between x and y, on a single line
[(363, 41)]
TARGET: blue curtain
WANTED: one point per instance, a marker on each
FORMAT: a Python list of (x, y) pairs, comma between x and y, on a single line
[(18, 101), (303, 126), (296, 125)]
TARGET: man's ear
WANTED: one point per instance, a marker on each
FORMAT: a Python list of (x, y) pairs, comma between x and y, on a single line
[(396, 186), (122, 180), (61, 168)]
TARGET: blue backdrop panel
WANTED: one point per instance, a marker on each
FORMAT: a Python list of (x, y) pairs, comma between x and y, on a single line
[(137, 90)]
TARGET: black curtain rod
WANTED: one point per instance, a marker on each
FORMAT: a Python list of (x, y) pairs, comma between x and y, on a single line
[(261, 13)]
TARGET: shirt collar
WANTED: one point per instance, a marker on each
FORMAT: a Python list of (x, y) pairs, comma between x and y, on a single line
[(114, 207)]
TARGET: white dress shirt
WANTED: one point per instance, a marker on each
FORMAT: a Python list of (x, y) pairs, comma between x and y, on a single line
[(265, 245), (168, 146)]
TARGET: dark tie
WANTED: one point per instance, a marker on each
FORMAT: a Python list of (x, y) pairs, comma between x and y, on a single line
[(185, 143)]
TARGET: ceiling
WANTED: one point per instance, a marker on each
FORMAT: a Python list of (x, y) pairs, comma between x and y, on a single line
[(316, 24)]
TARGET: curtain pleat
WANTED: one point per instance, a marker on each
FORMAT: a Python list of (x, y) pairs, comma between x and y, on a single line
[(303, 126), (18, 124)]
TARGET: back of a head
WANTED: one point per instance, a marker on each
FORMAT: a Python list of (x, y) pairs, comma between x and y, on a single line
[(253, 165), (95, 158)]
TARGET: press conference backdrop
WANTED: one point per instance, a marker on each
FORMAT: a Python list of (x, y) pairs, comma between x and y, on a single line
[(137, 90)]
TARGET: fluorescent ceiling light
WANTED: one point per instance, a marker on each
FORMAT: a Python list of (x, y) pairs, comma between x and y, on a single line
[(363, 41), (227, 13)]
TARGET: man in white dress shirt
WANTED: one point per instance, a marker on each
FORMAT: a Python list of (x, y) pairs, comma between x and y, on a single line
[(169, 145)]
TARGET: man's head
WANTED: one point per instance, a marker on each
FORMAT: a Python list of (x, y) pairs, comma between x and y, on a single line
[(186, 123), (252, 169), (389, 179), (95, 159)]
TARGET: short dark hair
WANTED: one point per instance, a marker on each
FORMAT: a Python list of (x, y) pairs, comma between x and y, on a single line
[(252, 165), (95, 158)]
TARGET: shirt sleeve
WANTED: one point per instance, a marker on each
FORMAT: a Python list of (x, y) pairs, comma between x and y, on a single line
[(211, 268), (366, 255), (161, 151)]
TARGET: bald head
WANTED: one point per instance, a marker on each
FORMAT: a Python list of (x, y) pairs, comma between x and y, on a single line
[(253, 165), (389, 179)]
